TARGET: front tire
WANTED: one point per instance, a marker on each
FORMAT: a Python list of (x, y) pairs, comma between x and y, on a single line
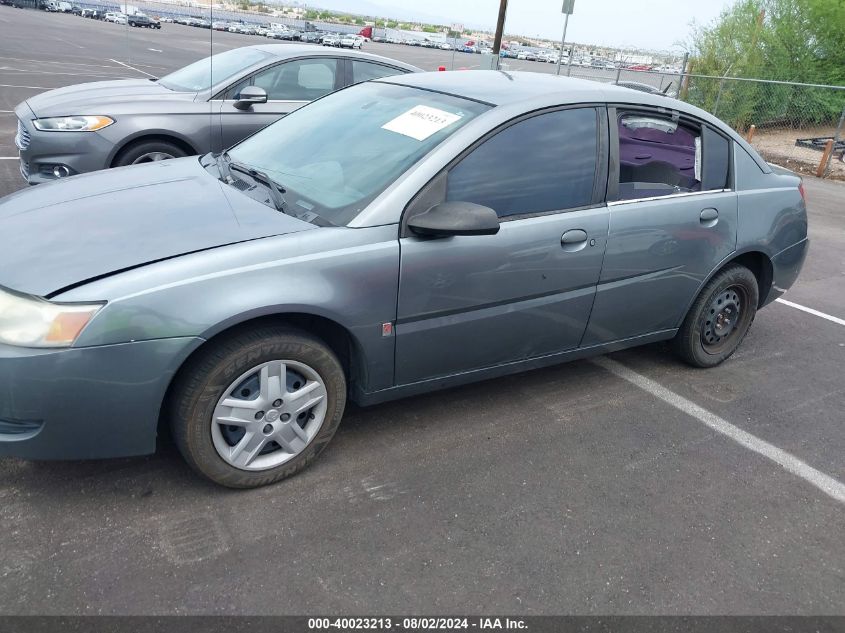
[(257, 407), (148, 152), (719, 319)]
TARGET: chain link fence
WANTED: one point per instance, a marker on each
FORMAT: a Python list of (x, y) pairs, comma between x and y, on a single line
[(788, 123)]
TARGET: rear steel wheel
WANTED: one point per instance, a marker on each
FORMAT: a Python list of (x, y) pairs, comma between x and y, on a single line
[(719, 318)]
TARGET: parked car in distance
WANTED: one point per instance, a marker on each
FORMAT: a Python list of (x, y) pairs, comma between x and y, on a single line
[(287, 34), (224, 295), (166, 19), (202, 107), (331, 39), (141, 20), (351, 41), (116, 18)]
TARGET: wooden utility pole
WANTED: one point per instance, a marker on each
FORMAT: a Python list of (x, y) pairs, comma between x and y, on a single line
[(500, 27)]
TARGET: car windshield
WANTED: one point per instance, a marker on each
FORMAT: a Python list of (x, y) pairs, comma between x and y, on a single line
[(213, 70), (337, 154)]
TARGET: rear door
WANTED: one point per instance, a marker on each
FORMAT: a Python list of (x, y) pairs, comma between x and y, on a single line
[(673, 219), (469, 302), (289, 85)]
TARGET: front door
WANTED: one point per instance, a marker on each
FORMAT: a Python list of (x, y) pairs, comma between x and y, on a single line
[(673, 219), (289, 85), (470, 302)]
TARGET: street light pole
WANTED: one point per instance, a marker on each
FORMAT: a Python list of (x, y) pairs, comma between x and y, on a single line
[(562, 42)]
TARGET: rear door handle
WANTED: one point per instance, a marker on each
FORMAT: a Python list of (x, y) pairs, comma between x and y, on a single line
[(709, 216), (573, 240)]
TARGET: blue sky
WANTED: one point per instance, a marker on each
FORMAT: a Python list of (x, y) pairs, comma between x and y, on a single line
[(655, 24)]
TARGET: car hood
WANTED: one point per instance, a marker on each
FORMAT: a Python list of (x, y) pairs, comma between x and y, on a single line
[(65, 233), (97, 97)]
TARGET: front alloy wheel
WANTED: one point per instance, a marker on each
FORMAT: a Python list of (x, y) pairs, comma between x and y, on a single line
[(268, 415), (258, 405)]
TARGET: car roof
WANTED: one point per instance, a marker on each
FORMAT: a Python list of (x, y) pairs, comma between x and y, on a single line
[(528, 91), (287, 51), (505, 87)]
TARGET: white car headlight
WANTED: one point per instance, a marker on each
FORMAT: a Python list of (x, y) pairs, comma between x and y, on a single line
[(72, 123), (32, 322)]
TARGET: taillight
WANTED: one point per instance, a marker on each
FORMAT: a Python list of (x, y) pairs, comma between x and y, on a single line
[(801, 191)]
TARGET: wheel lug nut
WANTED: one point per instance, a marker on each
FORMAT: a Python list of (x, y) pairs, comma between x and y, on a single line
[(259, 415), (268, 428), (277, 403), (285, 417)]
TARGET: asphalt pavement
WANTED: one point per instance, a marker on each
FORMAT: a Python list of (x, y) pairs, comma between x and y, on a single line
[(631, 484)]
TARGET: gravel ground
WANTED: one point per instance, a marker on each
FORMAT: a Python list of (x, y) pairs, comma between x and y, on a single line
[(778, 146)]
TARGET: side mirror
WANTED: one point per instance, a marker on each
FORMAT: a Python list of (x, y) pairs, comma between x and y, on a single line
[(455, 218), (250, 95)]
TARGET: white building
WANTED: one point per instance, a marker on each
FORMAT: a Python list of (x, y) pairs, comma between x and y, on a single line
[(633, 58)]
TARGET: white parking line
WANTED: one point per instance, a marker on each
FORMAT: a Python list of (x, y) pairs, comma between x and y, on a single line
[(9, 69), (798, 306), (8, 158), (827, 484), (33, 87), (131, 67), (55, 63)]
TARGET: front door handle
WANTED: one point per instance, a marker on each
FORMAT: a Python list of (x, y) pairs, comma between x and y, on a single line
[(709, 217), (573, 240)]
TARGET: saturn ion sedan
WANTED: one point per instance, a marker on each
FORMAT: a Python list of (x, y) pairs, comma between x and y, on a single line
[(395, 237), (206, 106)]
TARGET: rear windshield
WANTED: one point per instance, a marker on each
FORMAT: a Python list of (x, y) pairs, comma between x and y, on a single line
[(213, 70)]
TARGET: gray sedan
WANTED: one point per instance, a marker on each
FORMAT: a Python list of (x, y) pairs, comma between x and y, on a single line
[(206, 106), (396, 237)]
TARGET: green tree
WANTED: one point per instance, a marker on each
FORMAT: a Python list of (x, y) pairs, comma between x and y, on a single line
[(786, 40)]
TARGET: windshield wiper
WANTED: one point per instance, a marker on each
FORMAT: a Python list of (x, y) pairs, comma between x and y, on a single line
[(276, 190)]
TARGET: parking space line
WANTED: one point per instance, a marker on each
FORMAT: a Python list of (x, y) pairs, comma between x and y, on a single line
[(827, 484), (131, 67), (9, 69), (798, 306), (9, 157), (33, 87)]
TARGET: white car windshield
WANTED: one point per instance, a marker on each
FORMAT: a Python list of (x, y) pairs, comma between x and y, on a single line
[(335, 155)]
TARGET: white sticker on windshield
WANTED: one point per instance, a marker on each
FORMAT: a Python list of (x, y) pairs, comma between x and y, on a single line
[(420, 122)]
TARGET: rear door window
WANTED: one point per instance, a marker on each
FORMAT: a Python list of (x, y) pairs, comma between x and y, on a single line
[(658, 156)]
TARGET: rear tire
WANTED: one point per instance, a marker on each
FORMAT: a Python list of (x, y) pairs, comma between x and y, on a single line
[(147, 152), (207, 431), (719, 319)]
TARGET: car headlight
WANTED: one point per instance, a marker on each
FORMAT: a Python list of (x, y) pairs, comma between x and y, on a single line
[(72, 123), (32, 322)]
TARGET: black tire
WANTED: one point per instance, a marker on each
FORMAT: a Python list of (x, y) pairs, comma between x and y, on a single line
[(201, 384), (137, 150), (698, 342)]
